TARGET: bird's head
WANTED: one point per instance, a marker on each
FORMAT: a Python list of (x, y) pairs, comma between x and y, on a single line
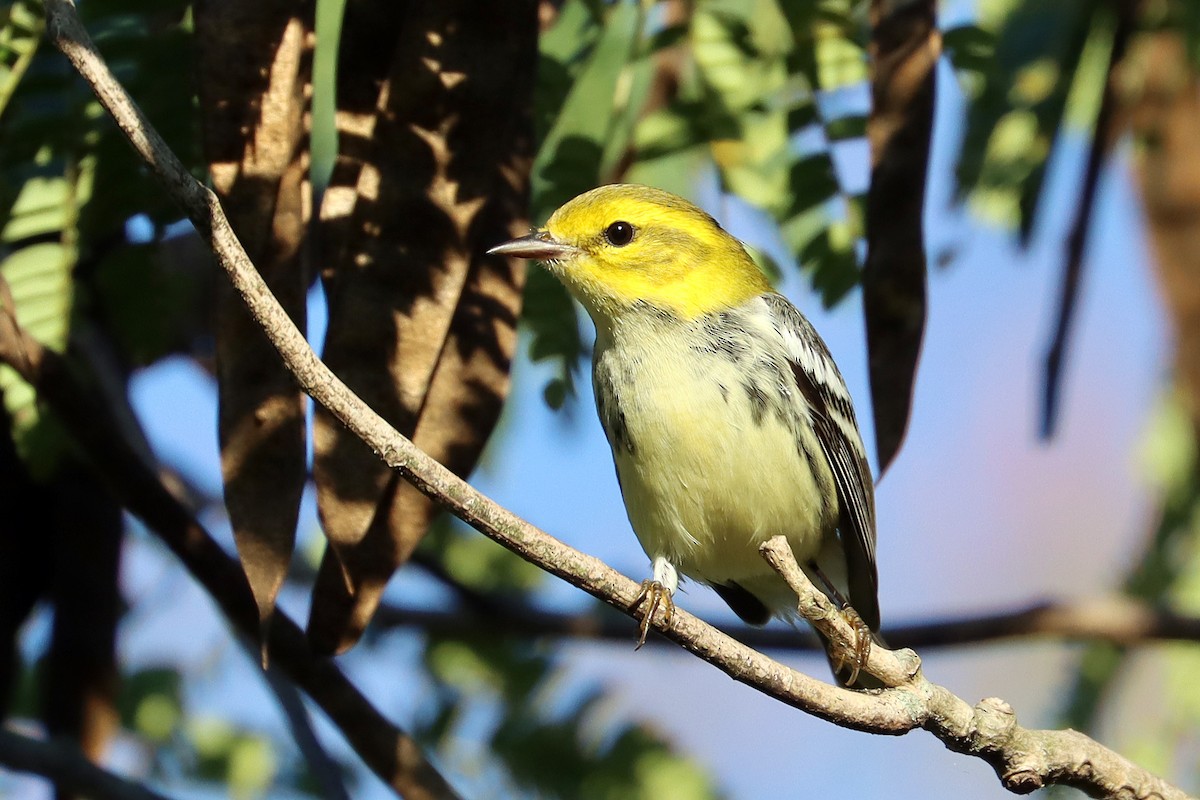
[(621, 246)]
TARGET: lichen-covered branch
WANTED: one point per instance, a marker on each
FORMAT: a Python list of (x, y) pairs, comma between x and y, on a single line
[(1024, 759)]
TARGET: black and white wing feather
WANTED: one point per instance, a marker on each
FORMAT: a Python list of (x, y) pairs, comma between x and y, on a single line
[(832, 415)]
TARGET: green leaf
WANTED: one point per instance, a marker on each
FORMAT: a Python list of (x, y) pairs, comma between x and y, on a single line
[(674, 170), (740, 52), (549, 314), (1019, 104), (833, 262), (591, 129), (840, 60), (42, 233), (633, 85), (829, 42), (253, 765), (562, 54), (20, 31), (668, 130), (851, 126), (122, 280), (151, 703), (569, 159), (971, 50)]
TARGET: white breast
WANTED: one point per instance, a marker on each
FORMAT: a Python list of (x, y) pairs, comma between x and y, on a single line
[(712, 446)]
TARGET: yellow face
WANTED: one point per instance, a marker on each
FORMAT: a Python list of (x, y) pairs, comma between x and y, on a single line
[(616, 246)]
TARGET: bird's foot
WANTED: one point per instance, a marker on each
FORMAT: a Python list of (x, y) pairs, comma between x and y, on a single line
[(652, 597), (854, 653)]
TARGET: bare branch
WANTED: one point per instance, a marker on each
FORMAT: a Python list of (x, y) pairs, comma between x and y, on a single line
[(989, 730), (68, 769), (1024, 760)]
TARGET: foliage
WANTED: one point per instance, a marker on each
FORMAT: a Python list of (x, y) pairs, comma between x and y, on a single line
[(752, 98), (64, 255), (1035, 74), (756, 94), (1020, 93)]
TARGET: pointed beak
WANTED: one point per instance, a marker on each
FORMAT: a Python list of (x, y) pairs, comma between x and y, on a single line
[(539, 246)]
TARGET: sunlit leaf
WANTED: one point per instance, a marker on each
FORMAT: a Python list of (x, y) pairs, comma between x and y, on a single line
[(42, 237), (252, 767), (592, 126), (1020, 99), (20, 31), (569, 157)]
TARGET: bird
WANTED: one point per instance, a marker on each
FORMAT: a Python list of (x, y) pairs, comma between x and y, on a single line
[(728, 420)]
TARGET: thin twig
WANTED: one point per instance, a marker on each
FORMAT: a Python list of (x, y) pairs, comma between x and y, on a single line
[(1116, 620), (68, 769), (988, 731), (1102, 141), (322, 766)]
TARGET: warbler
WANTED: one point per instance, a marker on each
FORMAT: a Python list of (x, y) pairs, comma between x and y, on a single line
[(728, 420)]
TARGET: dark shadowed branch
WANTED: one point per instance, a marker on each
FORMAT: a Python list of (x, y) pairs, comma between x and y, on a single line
[(387, 750), (320, 764), (68, 769)]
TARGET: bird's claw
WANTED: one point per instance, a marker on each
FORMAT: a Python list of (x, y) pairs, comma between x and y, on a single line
[(653, 596), (855, 652)]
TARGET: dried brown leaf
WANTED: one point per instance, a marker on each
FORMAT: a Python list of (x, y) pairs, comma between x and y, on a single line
[(255, 74), (905, 45), (421, 323)]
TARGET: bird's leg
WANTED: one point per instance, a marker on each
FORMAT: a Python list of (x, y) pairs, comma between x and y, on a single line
[(859, 650), (855, 652), (655, 594)]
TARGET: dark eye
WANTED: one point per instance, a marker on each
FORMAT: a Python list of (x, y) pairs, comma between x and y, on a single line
[(619, 234)]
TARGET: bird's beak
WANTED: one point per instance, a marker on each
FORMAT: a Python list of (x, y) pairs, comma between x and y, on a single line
[(539, 245)]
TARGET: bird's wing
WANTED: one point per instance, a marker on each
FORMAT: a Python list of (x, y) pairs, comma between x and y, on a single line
[(832, 415)]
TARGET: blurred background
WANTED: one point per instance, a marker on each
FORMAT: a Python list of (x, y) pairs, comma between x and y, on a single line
[(1053, 130)]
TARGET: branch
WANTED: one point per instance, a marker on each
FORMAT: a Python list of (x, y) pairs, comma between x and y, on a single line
[(1025, 760), (388, 751), (68, 769), (321, 765), (1117, 620), (988, 731)]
